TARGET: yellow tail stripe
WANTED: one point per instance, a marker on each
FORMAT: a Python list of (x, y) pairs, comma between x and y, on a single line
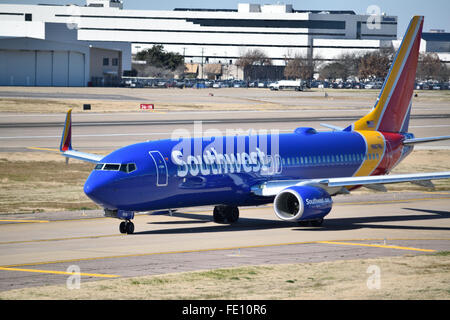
[(376, 113), (376, 147)]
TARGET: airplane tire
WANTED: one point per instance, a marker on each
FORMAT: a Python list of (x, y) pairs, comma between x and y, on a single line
[(232, 214), (123, 227), (219, 214), (130, 227)]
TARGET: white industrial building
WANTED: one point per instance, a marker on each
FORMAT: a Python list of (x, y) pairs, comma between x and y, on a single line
[(68, 45)]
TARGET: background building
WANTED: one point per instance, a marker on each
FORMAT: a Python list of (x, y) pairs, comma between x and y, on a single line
[(68, 45)]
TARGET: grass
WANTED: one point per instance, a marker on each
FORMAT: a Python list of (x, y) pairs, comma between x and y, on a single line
[(38, 186), (408, 277)]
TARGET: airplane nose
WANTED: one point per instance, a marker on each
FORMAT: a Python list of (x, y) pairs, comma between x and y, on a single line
[(97, 189)]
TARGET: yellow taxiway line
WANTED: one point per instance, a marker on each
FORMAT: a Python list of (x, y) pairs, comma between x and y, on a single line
[(375, 246), (25, 221), (336, 242), (61, 272), (43, 149)]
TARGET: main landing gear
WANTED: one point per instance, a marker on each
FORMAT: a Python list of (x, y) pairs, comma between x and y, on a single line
[(226, 214), (311, 223)]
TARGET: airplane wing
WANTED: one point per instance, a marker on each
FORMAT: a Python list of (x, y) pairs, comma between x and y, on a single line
[(66, 144), (272, 188)]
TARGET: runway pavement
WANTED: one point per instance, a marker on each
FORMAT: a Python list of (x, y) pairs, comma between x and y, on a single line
[(38, 250)]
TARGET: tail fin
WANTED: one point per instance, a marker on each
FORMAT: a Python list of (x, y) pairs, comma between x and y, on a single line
[(66, 139), (66, 144), (393, 106)]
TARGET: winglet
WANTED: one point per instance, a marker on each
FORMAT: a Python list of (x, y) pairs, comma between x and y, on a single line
[(66, 139)]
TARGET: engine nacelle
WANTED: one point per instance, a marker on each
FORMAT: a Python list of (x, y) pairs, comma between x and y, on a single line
[(300, 203)]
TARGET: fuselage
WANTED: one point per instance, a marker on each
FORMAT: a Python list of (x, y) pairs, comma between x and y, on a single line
[(188, 172)]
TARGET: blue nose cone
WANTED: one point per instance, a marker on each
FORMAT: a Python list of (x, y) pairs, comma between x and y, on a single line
[(98, 188)]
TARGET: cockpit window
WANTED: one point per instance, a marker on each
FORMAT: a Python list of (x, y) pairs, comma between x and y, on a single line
[(131, 167), (127, 168), (111, 167)]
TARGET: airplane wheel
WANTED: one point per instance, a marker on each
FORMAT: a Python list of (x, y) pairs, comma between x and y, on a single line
[(303, 223), (317, 223), (232, 214), (130, 227), (219, 214), (123, 227)]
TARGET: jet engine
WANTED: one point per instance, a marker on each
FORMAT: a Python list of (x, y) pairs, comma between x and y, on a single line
[(302, 203)]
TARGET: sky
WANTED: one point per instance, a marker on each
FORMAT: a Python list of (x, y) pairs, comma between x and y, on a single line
[(436, 12)]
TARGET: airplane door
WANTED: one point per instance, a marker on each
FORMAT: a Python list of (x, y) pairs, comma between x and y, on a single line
[(162, 175)]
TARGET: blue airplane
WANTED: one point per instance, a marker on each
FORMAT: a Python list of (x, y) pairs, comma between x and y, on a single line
[(298, 172)]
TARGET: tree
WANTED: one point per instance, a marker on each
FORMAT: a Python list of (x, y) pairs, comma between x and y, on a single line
[(374, 65), (157, 57), (300, 67), (431, 68), (351, 62), (253, 57), (334, 70)]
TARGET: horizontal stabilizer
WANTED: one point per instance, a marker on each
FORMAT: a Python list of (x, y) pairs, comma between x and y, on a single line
[(425, 140), (89, 157), (332, 127)]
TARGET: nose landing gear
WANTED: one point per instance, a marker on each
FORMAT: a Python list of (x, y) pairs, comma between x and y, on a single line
[(126, 227)]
